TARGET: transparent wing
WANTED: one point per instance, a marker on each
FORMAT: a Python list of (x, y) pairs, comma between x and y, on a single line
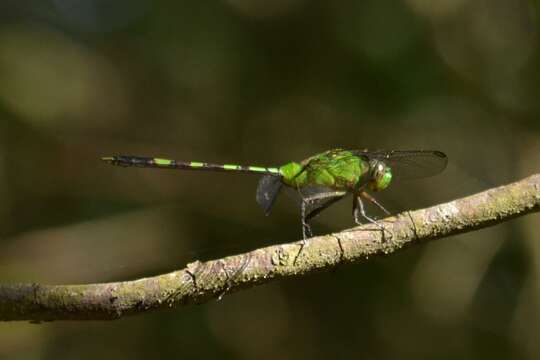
[(409, 164)]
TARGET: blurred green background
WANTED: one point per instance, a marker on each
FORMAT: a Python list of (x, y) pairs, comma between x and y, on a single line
[(262, 83)]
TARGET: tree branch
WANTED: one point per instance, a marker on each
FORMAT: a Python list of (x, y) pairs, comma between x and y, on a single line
[(202, 281)]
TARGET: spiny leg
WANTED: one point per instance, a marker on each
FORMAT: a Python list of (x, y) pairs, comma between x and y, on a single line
[(331, 198), (321, 201), (358, 209), (306, 228), (374, 201)]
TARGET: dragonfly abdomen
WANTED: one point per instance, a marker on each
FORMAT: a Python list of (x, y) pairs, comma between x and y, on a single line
[(150, 162)]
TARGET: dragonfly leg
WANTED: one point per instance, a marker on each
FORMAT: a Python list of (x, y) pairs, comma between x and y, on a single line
[(321, 201), (374, 201), (358, 209), (329, 197), (306, 228)]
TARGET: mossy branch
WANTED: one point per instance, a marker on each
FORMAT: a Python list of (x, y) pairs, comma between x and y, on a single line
[(202, 281)]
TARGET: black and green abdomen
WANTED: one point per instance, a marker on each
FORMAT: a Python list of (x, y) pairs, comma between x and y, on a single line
[(337, 169)]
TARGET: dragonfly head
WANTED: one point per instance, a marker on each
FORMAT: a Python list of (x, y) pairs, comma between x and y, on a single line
[(380, 175)]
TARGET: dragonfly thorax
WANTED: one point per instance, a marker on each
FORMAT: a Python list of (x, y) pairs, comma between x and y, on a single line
[(380, 175), (334, 169)]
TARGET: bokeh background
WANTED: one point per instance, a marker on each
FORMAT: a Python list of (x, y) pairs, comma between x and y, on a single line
[(264, 82)]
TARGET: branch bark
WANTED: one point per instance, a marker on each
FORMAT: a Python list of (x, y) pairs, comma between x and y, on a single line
[(202, 281)]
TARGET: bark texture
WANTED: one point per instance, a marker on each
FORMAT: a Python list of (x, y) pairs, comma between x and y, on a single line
[(202, 281)]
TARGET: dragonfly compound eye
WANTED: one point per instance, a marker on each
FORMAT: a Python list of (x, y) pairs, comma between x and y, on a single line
[(385, 179), (382, 176)]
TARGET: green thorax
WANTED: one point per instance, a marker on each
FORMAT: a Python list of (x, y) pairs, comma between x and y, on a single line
[(337, 169)]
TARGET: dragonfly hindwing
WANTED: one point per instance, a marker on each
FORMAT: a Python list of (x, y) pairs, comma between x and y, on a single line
[(267, 191)]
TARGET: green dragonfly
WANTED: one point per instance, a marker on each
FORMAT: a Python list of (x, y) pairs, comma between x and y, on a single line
[(320, 180)]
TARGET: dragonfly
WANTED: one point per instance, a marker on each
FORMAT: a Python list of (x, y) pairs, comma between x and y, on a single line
[(320, 180)]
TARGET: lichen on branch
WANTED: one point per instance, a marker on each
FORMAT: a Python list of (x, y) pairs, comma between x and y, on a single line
[(201, 281)]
